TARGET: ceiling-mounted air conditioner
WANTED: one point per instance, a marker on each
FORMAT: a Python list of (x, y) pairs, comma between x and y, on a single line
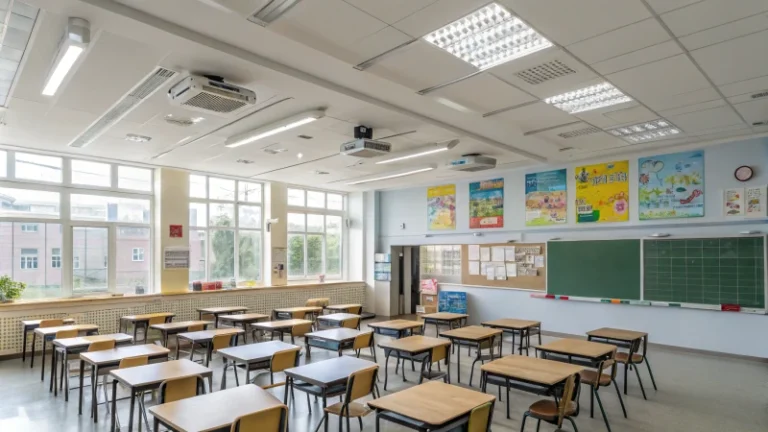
[(472, 163), (211, 94)]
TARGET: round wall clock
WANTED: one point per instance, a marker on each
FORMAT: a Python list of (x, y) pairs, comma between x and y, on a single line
[(743, 173)]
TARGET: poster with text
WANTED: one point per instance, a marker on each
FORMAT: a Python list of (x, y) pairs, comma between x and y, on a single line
[(441, 207), (671, 186), (733, 202), (486, 204), (545, 199), (602, 192), (755, 201)]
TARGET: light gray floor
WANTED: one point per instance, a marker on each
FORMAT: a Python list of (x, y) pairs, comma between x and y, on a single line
[(696, 393)]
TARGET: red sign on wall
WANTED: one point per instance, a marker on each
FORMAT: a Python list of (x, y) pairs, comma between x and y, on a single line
[(177, 231)]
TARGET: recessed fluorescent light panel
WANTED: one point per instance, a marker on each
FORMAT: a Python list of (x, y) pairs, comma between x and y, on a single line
[(589, 98), (274, 128), (394, 175), (72, 45), (648, 131), (273, 10), (488, 37), (421, 151)]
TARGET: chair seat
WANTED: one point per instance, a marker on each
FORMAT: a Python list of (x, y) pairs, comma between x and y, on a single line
[(622, 357), (547, 409), (590, 377), (314, 390), (355, 409)]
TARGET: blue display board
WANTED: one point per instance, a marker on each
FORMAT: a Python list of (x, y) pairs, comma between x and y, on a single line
[(452, 301)]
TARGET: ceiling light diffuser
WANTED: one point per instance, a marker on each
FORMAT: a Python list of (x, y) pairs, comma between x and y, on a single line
[(488, 37), (589, 98), (274, 128), (421, 151), (72, 45), (393, 175), (646, 131)]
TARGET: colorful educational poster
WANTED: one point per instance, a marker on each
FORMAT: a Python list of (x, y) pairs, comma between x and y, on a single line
[(733, 202), (545, 199), (452, 301), (441, 207), (602, 192), (755, 199), (486, 204), (671, 186)]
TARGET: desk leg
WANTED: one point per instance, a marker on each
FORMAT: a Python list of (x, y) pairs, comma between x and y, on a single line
[(157, 425), (458, 365), (191, 351), (130, 411), (209, 353), (24, 345), (42, 363), (32, 362), (135, 327), (65, 378), (626, 367), (114, 406), (52, 387), (165, 339), (215, 321), (95, 393), (386, 370), (80, 397), (325, 403)]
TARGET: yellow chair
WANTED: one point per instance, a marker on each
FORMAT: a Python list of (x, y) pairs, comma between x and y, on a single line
[(181, 388), (152, 321), (357, 310), (360, 384), (555, 413), (279, 362), (318, 302), (46, 323), (220, 342), (268, 420), (72, 360), (436, 355), (126, 363), (300, 330), (364, 340), (192, 328), (597, 379), (480, 418), (352, 323)]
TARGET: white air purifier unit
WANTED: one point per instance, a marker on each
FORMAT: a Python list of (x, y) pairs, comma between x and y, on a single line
[(210, 94), (365, 148), (472, 163)]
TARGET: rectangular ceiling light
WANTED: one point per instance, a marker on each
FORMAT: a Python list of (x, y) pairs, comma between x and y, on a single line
[(421, 151), (647, 131), (272, 11), (589, 98), (273, 128), (72, 45), (394, 175), (488, 37), (18, 20)]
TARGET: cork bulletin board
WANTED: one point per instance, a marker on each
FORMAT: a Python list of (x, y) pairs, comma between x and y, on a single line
[(521, 281)]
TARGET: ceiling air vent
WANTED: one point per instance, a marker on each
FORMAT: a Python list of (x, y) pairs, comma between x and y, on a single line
[(579, 132), (545, 72), (126, 104), (273, 10), (760, 95)]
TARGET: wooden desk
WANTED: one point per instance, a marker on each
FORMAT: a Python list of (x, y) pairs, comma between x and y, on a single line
[(244, 320), (586, 353), (471, 336), (337, 340), (110, 359), (534, 375), (445, 318), (326, 378), (344, 307), (429, 406), (205, 338), (142, 321), (287, 313), (515, 327), (49, 333), (396, 328), (413, 348), (335, 320), (281, 326), (62, 348), (216, 311), (149, 377), (213, 411), (28, 326), (254, 356), (629, 339), (173, 328)]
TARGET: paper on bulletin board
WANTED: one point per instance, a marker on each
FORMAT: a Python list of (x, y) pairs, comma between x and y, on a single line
[(733, 202), (474, 253), (497, 253), (490, 272), (176, 257), (484, 268), (509, 253), (474, 268), (511, 270), (539, 261), (485, 254), (501, 272), (755, 201)]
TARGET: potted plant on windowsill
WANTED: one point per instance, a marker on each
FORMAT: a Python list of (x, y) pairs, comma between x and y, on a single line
[(10, 290)]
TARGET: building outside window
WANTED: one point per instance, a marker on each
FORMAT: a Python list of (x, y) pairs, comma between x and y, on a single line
[(56, 258), (137, 254), (28, 227), (315, 234), (28, 259)]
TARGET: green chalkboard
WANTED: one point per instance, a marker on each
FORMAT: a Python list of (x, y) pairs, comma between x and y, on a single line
[(594, 268), (705, 271)]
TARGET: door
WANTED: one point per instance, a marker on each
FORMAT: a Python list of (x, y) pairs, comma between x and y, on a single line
[(415, 278)]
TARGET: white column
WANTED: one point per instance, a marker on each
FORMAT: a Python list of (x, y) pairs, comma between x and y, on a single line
[(171, 208), (276, 239)]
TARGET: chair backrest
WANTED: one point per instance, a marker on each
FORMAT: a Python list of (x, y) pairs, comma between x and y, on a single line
[(156, 320), (196, 327), (221, 341), (51, 323), (66, 334), (361, 383), (130, 362), (301, 329), (101, 345), (284, 359), (268, 420), (351, 323), (565, 399), (363, 340), (298, 314), (318, 302), (480, 418), (357, 310), (439, 353), (180, 388)]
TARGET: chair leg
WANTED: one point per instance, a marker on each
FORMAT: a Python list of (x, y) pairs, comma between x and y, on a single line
[(308, 403), (602, 410), (618, 392), (538, 424), (650, 372), (592, 402), (525, 417), (360, 420), (637, 372), (106, 395), (573, 423), (322, 420)]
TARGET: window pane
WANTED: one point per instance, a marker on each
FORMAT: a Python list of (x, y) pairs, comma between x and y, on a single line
[(197, 214), (222, 261), (315, 223), (197, 253), (221, 189), (249, 256), (335, 202), (132, 266), (221, 215), (315, 199), (197, 186), (314, 255), (333, 245), (295, 222), (89, 252), (249, 216), (28, 203), (38, 167), (32, 257), (296, 197), (295, 255), (109, 209), (134, 178), (249, 192), (91, 173), (3, 163)]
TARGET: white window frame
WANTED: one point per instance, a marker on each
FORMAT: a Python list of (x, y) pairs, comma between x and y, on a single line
[(137, 254), (26, 260), (76, 262), (55, 258), (27, 227)]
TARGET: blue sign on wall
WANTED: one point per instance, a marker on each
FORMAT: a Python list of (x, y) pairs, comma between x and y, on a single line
[(452, 301)]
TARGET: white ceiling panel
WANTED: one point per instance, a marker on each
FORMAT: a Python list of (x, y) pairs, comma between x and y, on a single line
[(639, 57), (534, 117), (671, 101), (735, 60), (483, 93), (593, 141), (436, 15), (693, 107), (744, 98), (568, 22), (631, 115), (706, 119), (390, 11), (725, 32), (531, 64), (375, 44), (711, 13), (654, 81), (620, 41), (723, 132), (421, 65), (749, 86), (754, 111), (662, 6)]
